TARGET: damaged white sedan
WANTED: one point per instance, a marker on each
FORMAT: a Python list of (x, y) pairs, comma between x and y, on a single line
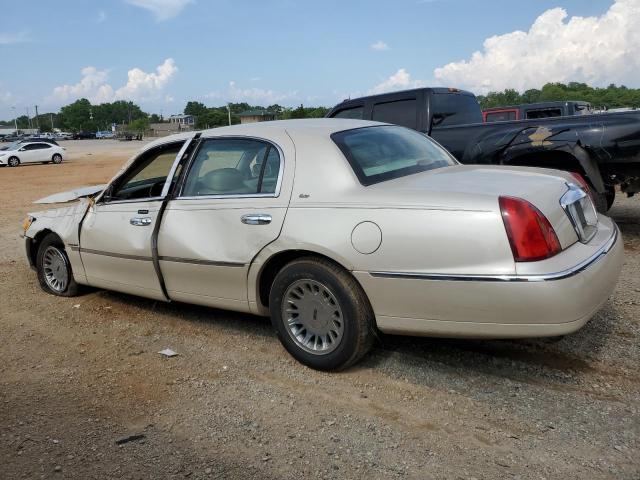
[(336, 229)]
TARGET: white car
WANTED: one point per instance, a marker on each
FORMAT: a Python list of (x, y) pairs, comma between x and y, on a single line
[(336, 229), (31, 152)]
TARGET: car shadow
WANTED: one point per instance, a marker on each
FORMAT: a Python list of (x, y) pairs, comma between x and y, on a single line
[(195, 314), (515, 359)]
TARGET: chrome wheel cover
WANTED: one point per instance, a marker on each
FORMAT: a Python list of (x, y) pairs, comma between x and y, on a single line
[(313, 317), (54, 268)]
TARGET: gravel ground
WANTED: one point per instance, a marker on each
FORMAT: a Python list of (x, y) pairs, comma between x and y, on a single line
[(78, 375)]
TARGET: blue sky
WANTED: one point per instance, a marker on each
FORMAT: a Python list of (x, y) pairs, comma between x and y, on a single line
[(294, 51)]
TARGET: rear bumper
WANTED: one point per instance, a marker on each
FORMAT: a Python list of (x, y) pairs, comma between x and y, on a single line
[(498, 306)]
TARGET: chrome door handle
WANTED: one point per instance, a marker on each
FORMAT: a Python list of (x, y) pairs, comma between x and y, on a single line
[(256, 219), (140, 221)]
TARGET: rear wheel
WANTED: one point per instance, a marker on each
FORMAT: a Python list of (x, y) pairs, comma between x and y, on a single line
[(54, 269), (57, 158), (321, 314), (13, 162)]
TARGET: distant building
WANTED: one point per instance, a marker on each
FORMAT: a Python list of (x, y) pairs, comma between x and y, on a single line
[(186, 122), (253, 116), (7, 131), (163, 129)]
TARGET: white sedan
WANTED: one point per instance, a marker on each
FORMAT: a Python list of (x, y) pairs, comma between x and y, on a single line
[(336, 229), (31, 152)]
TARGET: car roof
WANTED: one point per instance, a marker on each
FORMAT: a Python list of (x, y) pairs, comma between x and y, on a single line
[(320, 126)]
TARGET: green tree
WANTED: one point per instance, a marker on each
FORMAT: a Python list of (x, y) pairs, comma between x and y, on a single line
[(77, 116), (195, 108)]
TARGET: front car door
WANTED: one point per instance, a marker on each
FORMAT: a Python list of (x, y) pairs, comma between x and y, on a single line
[(28, 153), (231, 203), (115, 240)]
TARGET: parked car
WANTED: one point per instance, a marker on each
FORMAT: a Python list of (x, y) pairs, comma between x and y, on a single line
[(536, 110), (40, 139), (105, 134), (64, 136), (604, 149), (31, 152), (336, 229), (84, 135)]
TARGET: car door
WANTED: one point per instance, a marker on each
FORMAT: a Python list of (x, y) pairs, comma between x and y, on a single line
[(231, 203), (28, 153), (116, 234)]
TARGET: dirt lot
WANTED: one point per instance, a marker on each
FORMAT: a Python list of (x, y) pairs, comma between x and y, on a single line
[(78, 374)]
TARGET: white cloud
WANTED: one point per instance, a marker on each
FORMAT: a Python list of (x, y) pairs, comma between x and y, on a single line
[(161, 9), (401, 80), (253, 95), (140, 85), (102, 16), (596, 50), (379, 46), (8, 38), (93, 85)]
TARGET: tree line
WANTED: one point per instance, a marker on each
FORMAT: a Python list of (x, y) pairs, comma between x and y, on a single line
[(81, 115), (610, 97), (209, 117)]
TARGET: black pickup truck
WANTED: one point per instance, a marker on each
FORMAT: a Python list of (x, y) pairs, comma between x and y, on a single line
[(604, 148)]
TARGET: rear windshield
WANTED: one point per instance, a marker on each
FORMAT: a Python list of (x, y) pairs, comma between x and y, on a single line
[(382, 153)]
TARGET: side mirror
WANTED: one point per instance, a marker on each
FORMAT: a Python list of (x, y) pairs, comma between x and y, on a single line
[(22, 149)]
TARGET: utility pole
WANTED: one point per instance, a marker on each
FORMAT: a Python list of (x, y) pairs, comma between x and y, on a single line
[(37, 121), (29, 119), (15, 119), (51, 118), (229, 111)]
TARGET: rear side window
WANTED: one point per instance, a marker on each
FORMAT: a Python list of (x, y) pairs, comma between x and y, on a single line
[(355, 113), (382, 153), (454, 109), (232, 166), (402, 112), (501, 116), (544, 113)]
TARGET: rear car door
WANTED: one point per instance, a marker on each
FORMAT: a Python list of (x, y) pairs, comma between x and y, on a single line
[(231, 203), (116, 235)]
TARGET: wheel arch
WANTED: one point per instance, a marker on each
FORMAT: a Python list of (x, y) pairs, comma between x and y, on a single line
[(268, 270), (35, 242), (577, 159)]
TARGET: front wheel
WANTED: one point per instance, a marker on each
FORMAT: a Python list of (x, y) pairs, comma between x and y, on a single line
[(321, 314), (54, 269), (57, 158), (13, 162)]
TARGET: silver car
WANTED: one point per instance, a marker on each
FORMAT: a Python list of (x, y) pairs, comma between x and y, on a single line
[(336, 229)]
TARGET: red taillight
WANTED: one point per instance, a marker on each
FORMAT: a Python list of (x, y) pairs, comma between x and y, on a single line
[(584, 185), (530, 234)]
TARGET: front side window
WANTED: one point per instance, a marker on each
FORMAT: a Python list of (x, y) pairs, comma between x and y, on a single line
[(354, 113), (454, 109), (147, 176), (233, 166), (382, 153), (402, 112)]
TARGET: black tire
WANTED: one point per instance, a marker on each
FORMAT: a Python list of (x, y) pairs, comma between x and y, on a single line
[(13, 162), (610, 195), (57, 158), (357, 315), (71, 288)]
